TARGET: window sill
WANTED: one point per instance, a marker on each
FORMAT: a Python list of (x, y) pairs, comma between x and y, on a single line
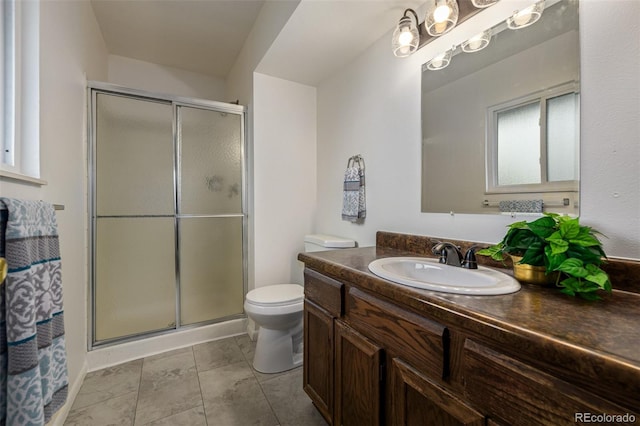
[(20, 178)]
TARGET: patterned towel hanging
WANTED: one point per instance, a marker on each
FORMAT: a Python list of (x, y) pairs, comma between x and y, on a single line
[(33, 359), (353, 195)]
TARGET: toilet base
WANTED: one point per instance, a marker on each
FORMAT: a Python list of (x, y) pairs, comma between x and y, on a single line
[(278, 350)]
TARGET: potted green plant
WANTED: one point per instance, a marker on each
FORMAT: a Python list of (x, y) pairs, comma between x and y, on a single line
[(562, 247)]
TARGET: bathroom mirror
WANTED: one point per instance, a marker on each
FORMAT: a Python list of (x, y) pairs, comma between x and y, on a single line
[(500, 127)]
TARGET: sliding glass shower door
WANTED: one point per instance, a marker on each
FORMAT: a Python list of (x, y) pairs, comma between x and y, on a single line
[(168, 222), (210, 216)]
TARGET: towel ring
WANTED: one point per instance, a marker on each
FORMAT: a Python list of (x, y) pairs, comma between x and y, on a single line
[(356, 159)]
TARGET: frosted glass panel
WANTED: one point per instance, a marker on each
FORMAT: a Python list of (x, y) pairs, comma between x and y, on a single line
[(563, 137), (135, 276), (519, 145), (134, 157), (210, 268), (210, 165)]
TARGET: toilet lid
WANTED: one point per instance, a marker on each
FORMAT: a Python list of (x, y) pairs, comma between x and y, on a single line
[(278, 294)]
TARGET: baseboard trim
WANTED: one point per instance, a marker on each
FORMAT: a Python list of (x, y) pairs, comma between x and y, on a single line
[(60, 416), (98, 359)]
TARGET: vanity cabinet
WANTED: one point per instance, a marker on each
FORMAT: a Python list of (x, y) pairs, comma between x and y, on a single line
[(370, 359)]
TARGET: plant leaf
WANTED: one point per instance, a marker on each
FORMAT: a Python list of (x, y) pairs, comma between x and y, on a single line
[(552, 261), (557, 243), (569, 228), (589, 296), (587, 254), (534, 254), (494, 251), (573, 267), (583, 240), (570, 284), (543, 227), (598, 276)]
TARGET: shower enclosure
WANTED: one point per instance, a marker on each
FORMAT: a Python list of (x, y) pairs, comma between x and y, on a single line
[(167, 207)]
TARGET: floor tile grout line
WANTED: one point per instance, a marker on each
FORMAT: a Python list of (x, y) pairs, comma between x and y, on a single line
[(135, 409), (195, 362)]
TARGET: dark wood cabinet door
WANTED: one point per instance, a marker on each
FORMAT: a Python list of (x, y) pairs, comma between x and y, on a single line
[(318, 365), (358, 379), (514, 392), (417, 400)]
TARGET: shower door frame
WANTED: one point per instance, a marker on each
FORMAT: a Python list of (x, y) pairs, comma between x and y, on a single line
[(93, 89)]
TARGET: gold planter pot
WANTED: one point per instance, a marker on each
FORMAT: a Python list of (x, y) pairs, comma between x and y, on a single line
[(532, 274)]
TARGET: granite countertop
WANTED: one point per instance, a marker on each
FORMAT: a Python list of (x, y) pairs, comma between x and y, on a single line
[(607, 330)]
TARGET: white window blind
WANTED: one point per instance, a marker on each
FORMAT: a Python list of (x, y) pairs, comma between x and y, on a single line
[(19, 88)]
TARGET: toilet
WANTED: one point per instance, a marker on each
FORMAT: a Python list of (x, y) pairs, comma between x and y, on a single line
[(277, 310)]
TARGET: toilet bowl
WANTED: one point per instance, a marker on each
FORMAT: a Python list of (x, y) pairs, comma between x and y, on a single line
[(277, 310)]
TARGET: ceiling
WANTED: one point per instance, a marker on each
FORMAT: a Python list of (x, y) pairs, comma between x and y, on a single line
[(324, 35), (203, 36), (206, 36)]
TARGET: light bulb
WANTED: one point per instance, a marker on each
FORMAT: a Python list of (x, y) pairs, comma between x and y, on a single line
[(437, 61), (523, 16), (475, 42), (441, 13), (441, 61), (526, 17), (405, 38), (442, 16)]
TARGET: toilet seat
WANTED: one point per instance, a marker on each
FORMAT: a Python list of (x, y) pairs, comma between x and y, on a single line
[(276, 295)]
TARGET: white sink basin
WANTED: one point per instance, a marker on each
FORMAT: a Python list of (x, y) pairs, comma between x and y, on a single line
[(428, 274)]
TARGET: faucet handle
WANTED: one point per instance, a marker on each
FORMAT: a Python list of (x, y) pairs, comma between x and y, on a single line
[(470, 261)]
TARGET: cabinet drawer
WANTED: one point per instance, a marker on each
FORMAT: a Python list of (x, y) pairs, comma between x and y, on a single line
[(421, 342), (324, 291), (518, 393)]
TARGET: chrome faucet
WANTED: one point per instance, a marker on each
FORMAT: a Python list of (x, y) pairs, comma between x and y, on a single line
[(450, 254)]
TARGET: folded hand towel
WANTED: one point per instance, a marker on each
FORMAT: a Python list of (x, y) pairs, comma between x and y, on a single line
[(521, 206), (353, 196)]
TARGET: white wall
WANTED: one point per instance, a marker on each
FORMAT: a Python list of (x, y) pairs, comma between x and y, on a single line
[(162, 79), (284, 147), (70, 46), (273, 15), (372, 107)]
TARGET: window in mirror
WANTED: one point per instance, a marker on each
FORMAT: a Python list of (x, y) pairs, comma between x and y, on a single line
[(533, 142)]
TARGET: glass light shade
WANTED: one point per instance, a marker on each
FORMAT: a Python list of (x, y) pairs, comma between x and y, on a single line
[(480, 4), (441, 61), (477, 42), (442, 16), (405, 38), (526, 17)]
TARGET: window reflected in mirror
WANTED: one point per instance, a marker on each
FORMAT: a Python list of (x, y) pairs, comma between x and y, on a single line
[(533, 143)]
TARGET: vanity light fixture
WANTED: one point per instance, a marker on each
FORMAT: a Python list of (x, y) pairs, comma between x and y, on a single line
[(481, 4), (406, 36), (442, 16), (526, 17), (477, 42), (441, 61)]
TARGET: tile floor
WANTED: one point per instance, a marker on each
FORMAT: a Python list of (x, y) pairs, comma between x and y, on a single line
[(204, 385)]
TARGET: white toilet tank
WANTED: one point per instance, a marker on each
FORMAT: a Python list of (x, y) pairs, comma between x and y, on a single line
[(323, 242)]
